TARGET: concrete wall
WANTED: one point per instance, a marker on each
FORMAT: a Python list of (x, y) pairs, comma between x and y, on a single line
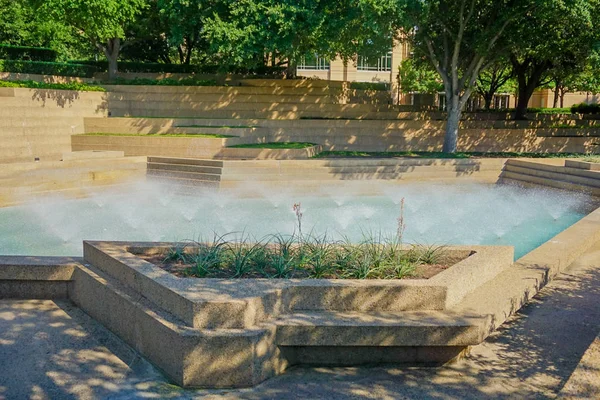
[(19, 181), (38, 123), (364, 135)]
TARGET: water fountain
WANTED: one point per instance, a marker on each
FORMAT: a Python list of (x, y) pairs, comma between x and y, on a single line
[(434, 214)]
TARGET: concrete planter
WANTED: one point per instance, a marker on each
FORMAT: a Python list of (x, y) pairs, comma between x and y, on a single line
[(235, 333)]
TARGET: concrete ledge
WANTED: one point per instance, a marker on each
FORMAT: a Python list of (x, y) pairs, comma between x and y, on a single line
[(93, 154), (242, 303), (36, 277), (230, 153), (582, 165)]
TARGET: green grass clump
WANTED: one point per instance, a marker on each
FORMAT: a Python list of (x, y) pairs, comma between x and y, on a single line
[(275, 145), (56, 86), (172, 135), (439, 154), (303, 256), (591, 159)]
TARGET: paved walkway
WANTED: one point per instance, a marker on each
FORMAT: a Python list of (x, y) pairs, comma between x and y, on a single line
[(53, 350)]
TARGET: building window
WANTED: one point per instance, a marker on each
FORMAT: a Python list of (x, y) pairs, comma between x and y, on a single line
[(313, 62), (383, 63)]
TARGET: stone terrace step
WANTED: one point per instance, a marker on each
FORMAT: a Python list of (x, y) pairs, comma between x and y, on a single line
[(184, 168), (186, 161), (565, 177), (190, 176), (414, 328)]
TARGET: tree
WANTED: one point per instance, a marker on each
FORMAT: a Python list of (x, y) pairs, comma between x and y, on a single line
[(100, 21), (556, 35), (497, 77), (583, 77), (20, 24), (417, 76), (186, 19), (251, 32), (460, 37), (147, 37)]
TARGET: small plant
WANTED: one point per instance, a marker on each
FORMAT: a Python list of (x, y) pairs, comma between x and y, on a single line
[(176, 254), (209, 255), (428, 254), (241, 255), (318, 253)]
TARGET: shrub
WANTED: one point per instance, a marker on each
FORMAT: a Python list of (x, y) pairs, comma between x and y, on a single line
[(60, 86), (549, 110), (142, 67), (166, 82), (24, 53), (47, 68), (585, 108)]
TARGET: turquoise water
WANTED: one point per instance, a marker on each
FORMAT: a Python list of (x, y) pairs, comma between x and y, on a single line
[(433, 214)]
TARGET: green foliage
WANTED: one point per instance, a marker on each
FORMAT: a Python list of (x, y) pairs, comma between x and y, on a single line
[(47, 68), (585, 108), (245, 32), (549, 111), (169, 135), (439, 154), (165, 82), (98, 20), (22, 24), (11, 52), (552, 43), (303, 256), (416, 76), (59, 86), (145, 67)]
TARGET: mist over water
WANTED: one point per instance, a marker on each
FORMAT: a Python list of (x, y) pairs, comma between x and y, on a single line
[(433, 214)]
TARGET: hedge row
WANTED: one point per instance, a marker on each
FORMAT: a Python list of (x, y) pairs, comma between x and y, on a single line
[(584, 108), (25, 53), (46, 85), (142, 67), (47, 68), (165, 82)]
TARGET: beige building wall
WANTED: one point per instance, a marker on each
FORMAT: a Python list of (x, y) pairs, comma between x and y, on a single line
[(340, 72)]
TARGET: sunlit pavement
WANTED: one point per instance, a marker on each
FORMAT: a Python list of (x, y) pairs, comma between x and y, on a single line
[(53, 350)]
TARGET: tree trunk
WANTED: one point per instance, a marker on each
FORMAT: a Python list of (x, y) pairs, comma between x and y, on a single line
[(290, 72), (454, 114), (113, 46), (180, 53), (556, 96), (562, 97), (488, 98)]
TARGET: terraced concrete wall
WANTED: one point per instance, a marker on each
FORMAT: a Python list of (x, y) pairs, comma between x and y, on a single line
[(370, 135), (38, 123)]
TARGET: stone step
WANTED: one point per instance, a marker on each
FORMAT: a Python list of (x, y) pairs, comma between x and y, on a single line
[(228, 98), (557, 176), (190, 176), (184, 186), (515, 177), (186, 161), (184, 168), (409, 328)]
